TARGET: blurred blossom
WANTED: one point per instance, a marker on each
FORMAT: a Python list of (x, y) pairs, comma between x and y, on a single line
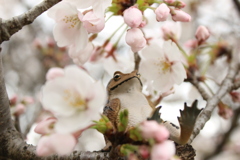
[(13, 100), (193, 43), (68, 30), (151, 129), (179, 15), (46, 126), (81, 56), (92, 23), (162, 12), (171, 30), (179, 4), (225, 111), (54, 73), (162, 66), (19, 109), (144, 151), (74, 99), (163, 151), (135, 39), (132, 17), (61, 144), (235, 96), (169, 1), (202, 34)]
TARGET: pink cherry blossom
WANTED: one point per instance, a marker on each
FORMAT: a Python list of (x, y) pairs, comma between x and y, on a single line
[(19, 109), (135, 39), (235, 96), (163, 151), (151, 129), (92, 23), (61, 144), (162, 12), (224, 111), (202, 34), (171, 30), (54, 73), (179, 15), (46, 126), (13, 100), (132, 17)]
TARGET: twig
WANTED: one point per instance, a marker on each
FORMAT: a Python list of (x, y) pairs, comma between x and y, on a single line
[(212, 102), (226, 136), (236, 85), (137, 60), (13, 25)]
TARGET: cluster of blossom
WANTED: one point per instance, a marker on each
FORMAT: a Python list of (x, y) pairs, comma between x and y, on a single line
[(162, 148), (75, 100), (18, 104)]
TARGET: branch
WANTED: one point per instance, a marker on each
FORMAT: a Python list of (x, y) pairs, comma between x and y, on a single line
[(13, 25), (137, 60), (236, 85), (226, 86), (237, 5), (226, 136)]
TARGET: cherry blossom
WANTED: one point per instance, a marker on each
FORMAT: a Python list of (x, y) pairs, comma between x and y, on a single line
[(163, 151), (135, 39), (46, 126), (162, 12), (74, 99), (132, 17), (99, 6), (162, 66), (69, 29), (171, 30), (92, 23), (54, 72), (61, 144)]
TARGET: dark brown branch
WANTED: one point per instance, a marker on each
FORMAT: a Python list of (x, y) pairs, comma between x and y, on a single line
[(13, 25), (237, 5), (226, 86), (226, 136)]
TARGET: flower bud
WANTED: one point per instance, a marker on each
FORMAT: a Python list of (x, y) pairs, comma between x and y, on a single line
[(162, 12), (179, 4), (202, 34), (169, 1), (179, 15), (135, 39), (132, 17), (92, 23)]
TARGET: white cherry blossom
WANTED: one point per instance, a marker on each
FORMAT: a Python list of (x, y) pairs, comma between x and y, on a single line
[(74, 99), (99, 6), (69, 29), (162, 66)]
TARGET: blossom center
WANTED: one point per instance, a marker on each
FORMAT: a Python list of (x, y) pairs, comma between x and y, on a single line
[(72, 20), (75, 100), (164, 65)]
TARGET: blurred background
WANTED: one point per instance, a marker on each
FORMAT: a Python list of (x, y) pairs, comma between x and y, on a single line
[(29, 54)]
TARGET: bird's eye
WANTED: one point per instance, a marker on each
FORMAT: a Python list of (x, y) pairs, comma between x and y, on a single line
[(117, 77), (139, 75)]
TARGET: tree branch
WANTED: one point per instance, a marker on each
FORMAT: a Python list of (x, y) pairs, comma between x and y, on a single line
[(237, 5), (236, 85), (226, 86), (137, 60), (13, 25)]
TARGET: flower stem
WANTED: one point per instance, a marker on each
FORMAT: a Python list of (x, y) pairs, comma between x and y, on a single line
[(181, 49), (120, 36), (116, 31)]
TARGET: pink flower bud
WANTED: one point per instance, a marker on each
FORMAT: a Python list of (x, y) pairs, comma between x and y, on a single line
[(19, 109), (179, 15), (162, 12), (13, 100), (202, 34), (193, 43), (28, 100), (54, 73), (144, 151), (92, 23), (135, 39), (151, 129), (45, 126), (61, 144), (179, 4), (163, 151), (235, 96), (169, 1), (224, 111), (132, 17), (168, 33)]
